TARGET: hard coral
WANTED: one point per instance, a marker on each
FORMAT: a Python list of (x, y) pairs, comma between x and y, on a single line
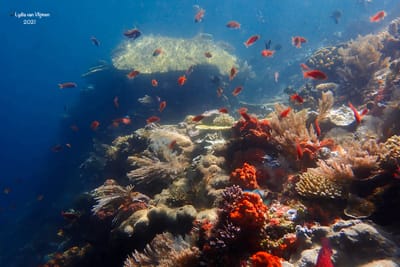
[(264, 259), (245, 176), (249, 212)]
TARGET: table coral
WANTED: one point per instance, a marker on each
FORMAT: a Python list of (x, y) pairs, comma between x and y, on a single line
[(245, 176)]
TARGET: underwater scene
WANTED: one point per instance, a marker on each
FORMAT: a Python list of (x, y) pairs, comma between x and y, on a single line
[(200, 133)]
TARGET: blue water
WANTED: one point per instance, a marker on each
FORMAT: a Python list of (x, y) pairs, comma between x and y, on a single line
[(35, 58)]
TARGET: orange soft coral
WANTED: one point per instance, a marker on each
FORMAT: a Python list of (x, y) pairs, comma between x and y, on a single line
[(245, 176), (264, 259), (249, 212)]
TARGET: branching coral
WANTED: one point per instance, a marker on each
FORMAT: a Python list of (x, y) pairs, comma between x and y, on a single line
[(115, 200), (245, 176), (167, 251)]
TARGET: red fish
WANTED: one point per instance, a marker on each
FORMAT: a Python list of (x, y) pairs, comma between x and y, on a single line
[(116, 102), (94, 125), (380, 15), (208, 54), (315, 74), (252, 39), (163, 105), (133, 33), (304, 67), (199, 15), (317, 128), (237, 90), (297, 98), (198, 118), (220, 91), (285, 112), (233, 24), (172, 144), (267, 53), (132, 74), (324, 255), (67, 85), (182, 80), (299, 151), (157, 52), (223, 110), (152, 119), (154, 83), (233, 73), (298, 40), (357, 115), (124, 120)]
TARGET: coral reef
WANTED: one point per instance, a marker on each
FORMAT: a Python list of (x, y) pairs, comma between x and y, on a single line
[(245, 176), (264, 259)]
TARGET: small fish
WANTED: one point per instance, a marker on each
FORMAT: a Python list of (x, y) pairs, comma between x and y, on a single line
[(6, 190), (67, 85), (233, 24), (132, 74), (220, 91), (304, 67), (152, 119), (277, 47), (317, 128), (208, 54), (223, 110), (39, 197), (198, 118), (299, 151), (57, 148), (163, 105), (357, 115), (285, 112), (297, 98), (233, 73), (237, 90), (267, 53), (94, 125), (252, 39), (124, 120), (199, 15), (74, 127), (189, 70), (315, 74), (324, 254), (157, 52), (95, 41), (336, 15), (70, 214), (133, 33), (298, 40), (380, 15), (68, 145), (172, 144), (154, 83), (268, 44), (116, 102), (276, 76), (182, 80), (60, 233)]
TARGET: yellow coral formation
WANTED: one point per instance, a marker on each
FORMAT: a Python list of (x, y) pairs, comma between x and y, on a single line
[(177, 54)]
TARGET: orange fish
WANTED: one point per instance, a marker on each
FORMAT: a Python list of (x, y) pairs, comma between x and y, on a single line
[(198, 118), (267, 53), (251, 40), (315, 74), (317, 128), (237, 90), (199, 15), (157, 52), (299, 151), (181, 80), (380, 15), (297, 98), (116, 102), (357, 115), (223, 110), (233, 73), (285, 112), (220, 91), (243, 112), (298, 40), (233, 24), (163, 105), (152, 119), (172, 144), (133, 74), (304, 67), (124, 120), (208, 54), (67, 85), (154, 83), (94, 125)]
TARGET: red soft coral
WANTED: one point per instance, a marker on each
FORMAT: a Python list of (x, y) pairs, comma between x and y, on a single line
[(250, 212), (245, 176), (264, 259)]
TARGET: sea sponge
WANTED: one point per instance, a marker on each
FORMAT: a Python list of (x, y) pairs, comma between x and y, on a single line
[(245, 176), (264, 259), (249, 212)]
